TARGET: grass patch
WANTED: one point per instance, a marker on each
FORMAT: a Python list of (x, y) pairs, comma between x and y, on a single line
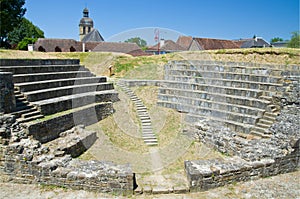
[(119, 138)]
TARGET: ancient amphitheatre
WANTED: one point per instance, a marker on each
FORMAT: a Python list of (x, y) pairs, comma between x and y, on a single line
[(185, 122)]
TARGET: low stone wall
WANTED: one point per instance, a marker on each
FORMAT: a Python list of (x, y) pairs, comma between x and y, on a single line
[(50, 129), (206, 174), (28, 62), (25, 160), (7, 97), (137, 82)]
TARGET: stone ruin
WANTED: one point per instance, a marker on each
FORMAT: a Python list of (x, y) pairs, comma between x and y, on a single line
[(46, 104), (248, 111)]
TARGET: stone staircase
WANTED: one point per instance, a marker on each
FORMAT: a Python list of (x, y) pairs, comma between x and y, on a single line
[(48, 87), (25, 112), (236, 95), (147, 132)]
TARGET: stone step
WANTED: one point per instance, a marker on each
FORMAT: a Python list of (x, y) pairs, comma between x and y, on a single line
[(42, 68), (227, 82), (265, 121), (31, 114), (30, 119), (145, 119), (212, 103), (270, 115), (225, 75), (55, 124), (260, 129), (50, 76), (66, 90), (26, 109), (147, 132), (264, 97), (262, 125), (38, 62), (255, 93), (221, 66), (229, 98), (262, 135), (58, 104), (233, 125), (211, 112), (32, 86), (73, 142)]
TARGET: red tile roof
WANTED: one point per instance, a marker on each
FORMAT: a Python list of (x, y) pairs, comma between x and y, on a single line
[(169, 46), (213, 44), (184, 41), (116, 47)]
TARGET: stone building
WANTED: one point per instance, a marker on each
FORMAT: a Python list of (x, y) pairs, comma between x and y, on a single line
[(87, 32)]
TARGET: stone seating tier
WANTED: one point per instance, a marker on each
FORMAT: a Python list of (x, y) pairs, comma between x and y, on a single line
[(225, 75), (235, 94), (32, 86), (58, 104), (34, 77), (225, 82), (43, 94), (42, 68), (239, 100), (216, 104)]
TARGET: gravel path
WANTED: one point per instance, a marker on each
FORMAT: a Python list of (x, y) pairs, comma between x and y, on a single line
[(281, 186)]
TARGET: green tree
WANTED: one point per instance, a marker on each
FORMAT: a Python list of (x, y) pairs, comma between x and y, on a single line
[(23, 45), (24, 30), (276, 39), (140, 42), (11, 13), (295, 40)]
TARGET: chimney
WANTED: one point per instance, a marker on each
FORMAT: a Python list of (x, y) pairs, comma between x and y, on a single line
[(162, 42)]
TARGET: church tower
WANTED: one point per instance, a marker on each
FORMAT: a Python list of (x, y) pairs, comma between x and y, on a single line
[(86, 24)]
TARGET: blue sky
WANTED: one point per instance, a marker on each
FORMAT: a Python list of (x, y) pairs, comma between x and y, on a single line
[(224, 19)]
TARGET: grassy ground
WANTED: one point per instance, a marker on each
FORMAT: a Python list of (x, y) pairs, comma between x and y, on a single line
[(151, 67)]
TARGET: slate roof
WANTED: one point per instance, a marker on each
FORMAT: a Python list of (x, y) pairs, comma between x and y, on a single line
[(184, 41), (93, 36), (121, 47), (213, 44), (254, 43), (169, 46)]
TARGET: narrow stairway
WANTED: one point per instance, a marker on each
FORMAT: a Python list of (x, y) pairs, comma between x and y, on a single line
[(147, 131), (25, 112)]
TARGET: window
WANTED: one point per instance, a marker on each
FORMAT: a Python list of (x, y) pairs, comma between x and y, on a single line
[(84, 30)]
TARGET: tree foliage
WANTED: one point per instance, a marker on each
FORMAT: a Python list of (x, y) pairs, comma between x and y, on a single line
[(23, 45), (24, 30), (295, 40), (140, 42), (11, 14), (276, 39)]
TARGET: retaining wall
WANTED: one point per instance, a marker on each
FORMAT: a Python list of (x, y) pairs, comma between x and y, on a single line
[(48, 130), (7, 96), (25, 160), (206, 174)]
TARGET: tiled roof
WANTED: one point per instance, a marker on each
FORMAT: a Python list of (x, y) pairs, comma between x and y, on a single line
[(116, 47), (213, 44), (93, 36), (184, 41), (169, 46), (252, 43), (139, 52)]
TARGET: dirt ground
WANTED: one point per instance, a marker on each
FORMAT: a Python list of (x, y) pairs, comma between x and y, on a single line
[(281, 186)]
